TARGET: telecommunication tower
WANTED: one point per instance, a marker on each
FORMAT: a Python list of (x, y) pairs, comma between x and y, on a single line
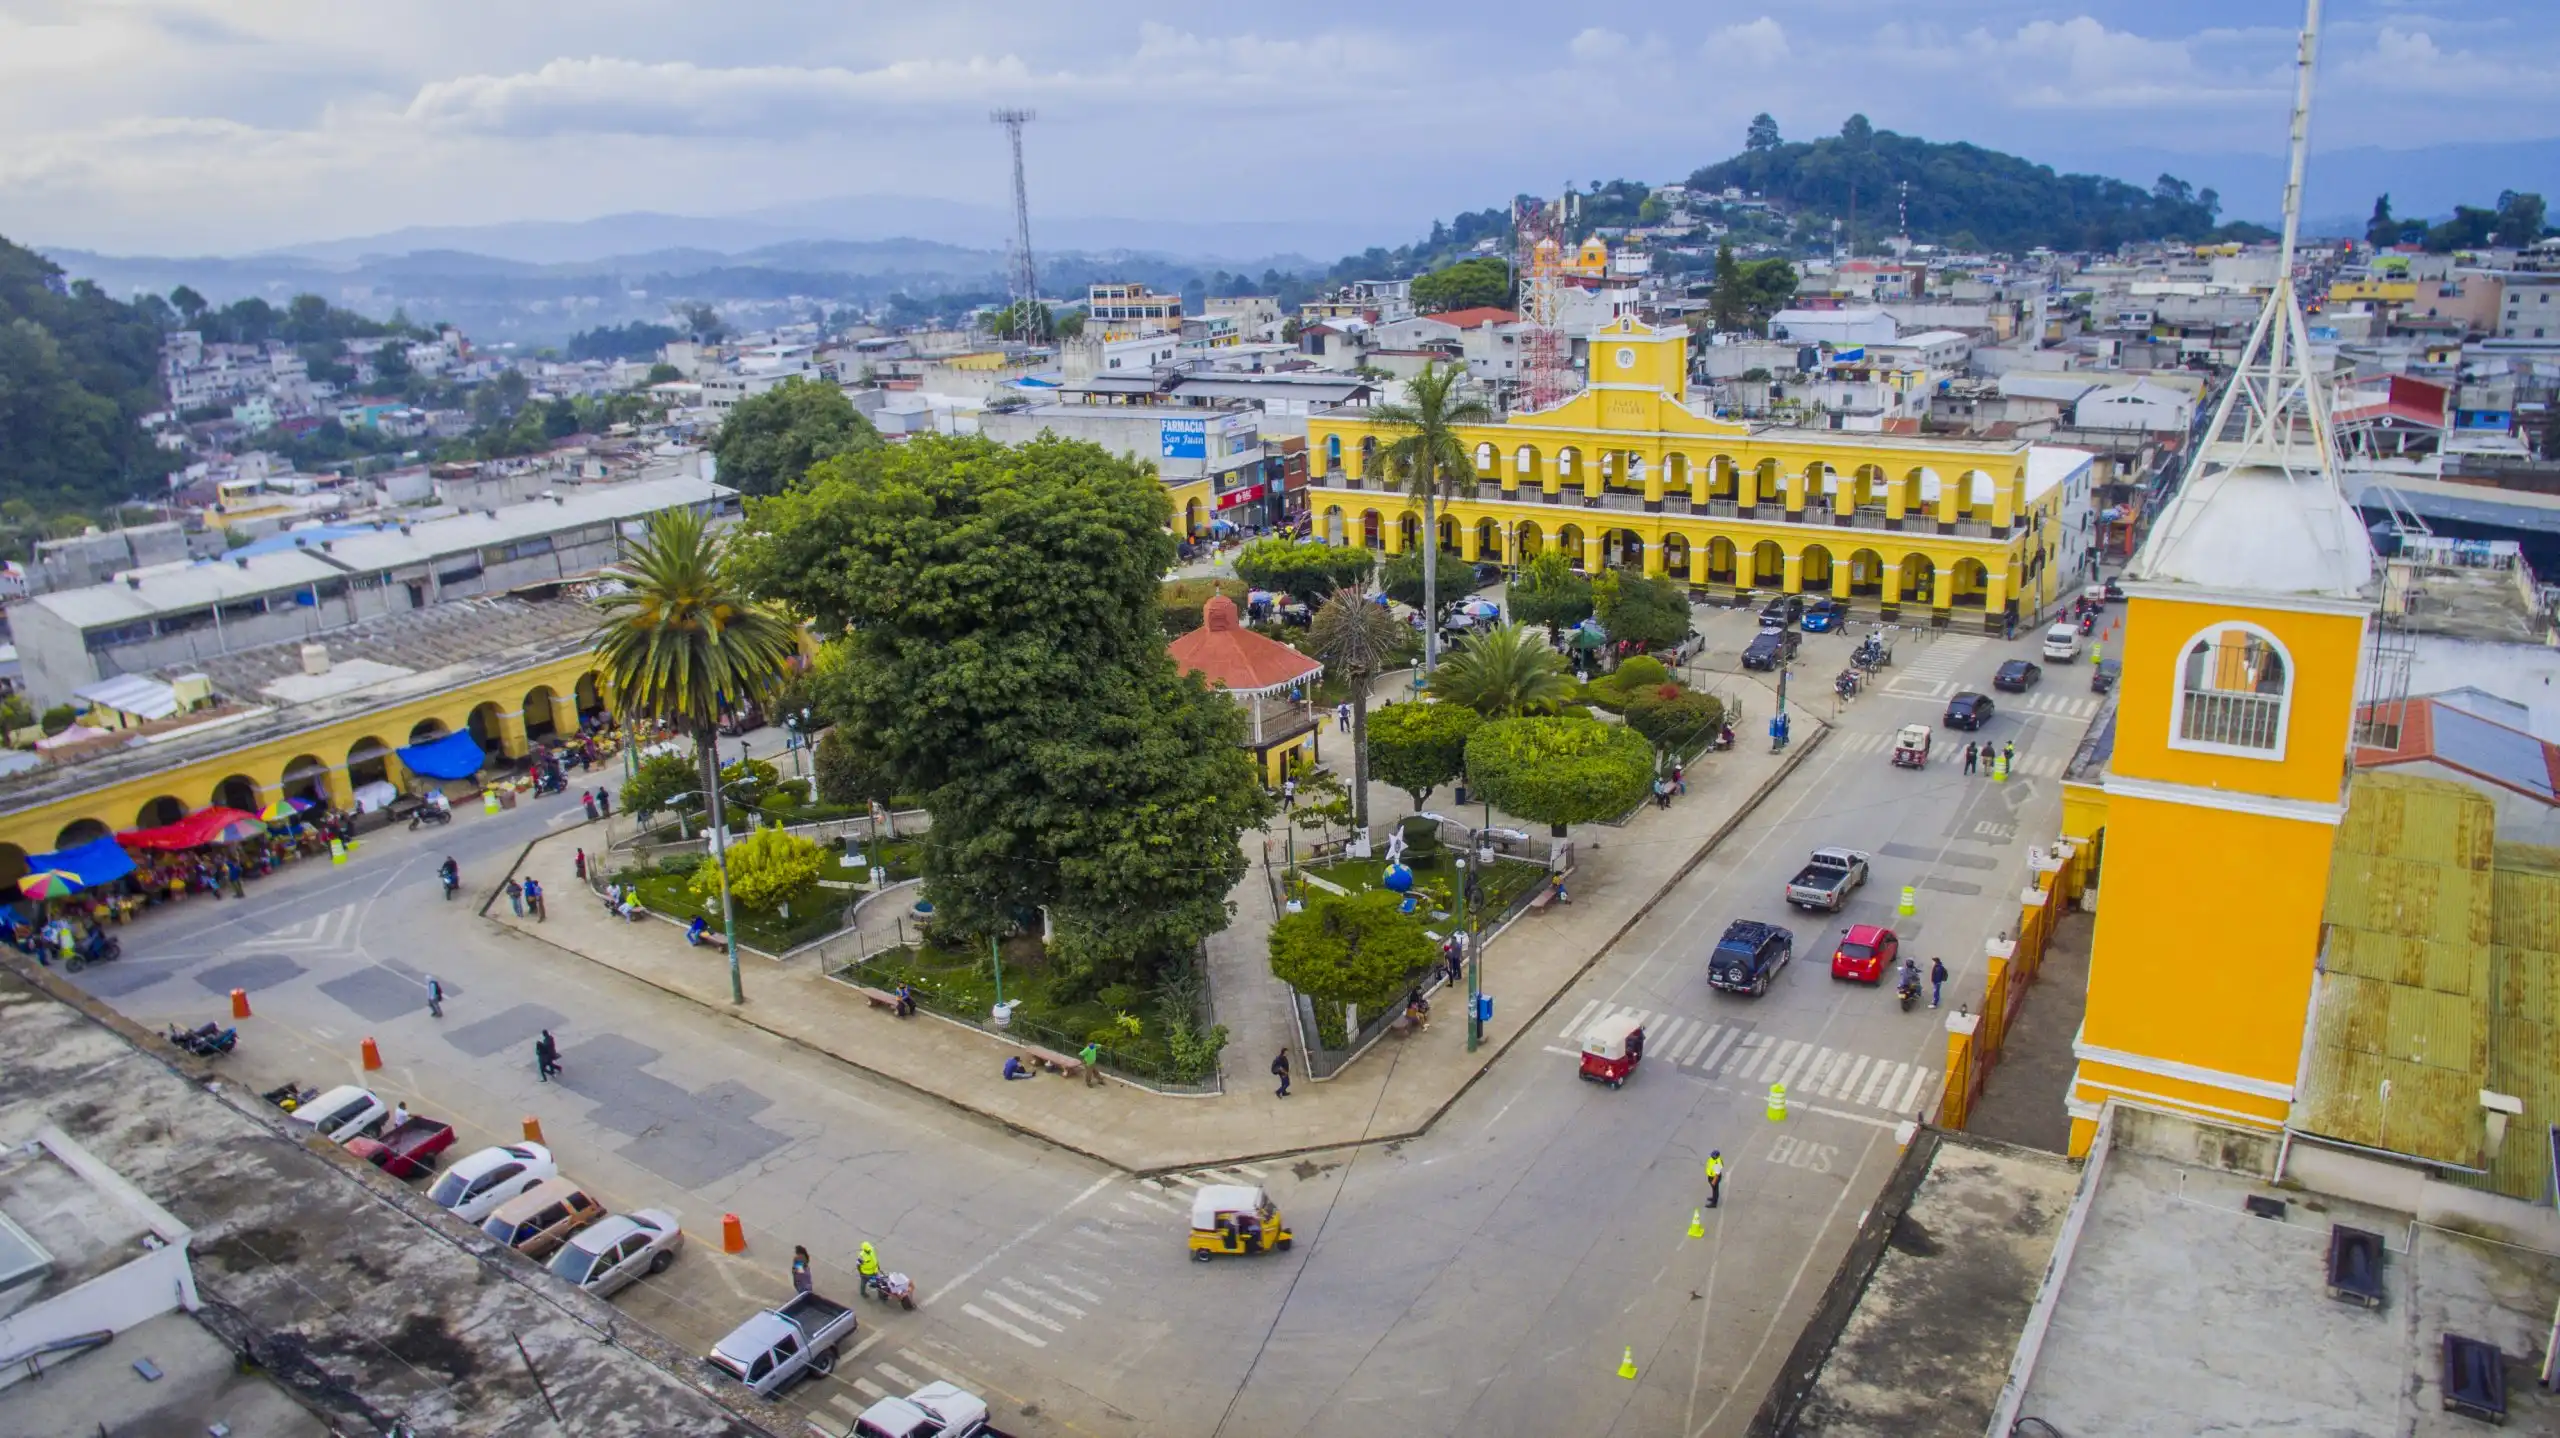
[(1540, 234), (1023, 281)]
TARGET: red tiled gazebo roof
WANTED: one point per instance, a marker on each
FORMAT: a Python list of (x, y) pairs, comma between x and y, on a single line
[(1235, 658)]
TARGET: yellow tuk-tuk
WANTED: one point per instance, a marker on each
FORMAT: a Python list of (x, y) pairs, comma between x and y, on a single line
[(1230, 1218)]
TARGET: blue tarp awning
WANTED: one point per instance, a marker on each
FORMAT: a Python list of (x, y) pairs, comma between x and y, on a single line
[(455, 756), (97, 862)]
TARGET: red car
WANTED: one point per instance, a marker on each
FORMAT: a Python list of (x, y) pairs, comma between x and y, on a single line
[(1866, 952)]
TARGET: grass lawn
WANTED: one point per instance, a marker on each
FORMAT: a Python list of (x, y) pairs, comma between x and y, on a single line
[(963, 985), (1505, 882), (820, 911)]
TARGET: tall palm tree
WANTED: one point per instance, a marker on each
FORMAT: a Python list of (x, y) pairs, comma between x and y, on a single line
[(1503, 673), (683, 644), (1430, 463), (1357, 640)]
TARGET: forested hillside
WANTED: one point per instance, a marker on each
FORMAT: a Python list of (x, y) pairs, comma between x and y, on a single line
[(78, 370)]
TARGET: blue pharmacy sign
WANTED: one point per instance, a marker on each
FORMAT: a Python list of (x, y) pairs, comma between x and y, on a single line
[(1186, 439)]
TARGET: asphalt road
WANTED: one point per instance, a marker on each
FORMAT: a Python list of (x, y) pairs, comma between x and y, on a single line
[(1483, 1279)]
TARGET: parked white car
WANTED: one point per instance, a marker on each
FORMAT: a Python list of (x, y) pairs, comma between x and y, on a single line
[(611, 1253), (475, 1187), (342, 1113)]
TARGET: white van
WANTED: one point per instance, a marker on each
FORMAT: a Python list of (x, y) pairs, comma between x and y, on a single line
[(2062, 643)]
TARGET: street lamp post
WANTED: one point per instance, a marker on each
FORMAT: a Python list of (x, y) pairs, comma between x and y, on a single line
[(1473, 897), (720, 860)]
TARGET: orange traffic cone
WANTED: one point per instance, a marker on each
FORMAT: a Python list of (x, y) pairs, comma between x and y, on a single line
[(239, 1003), (733, 1234), (532, 1129), (372, 1056)]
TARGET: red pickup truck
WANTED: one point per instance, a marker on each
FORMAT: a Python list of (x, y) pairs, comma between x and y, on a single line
[(406, 1151)]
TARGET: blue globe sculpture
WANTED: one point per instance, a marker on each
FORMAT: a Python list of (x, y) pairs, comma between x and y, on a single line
[(1399, 878)]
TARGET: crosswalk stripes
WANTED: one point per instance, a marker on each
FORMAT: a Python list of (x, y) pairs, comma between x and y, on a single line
[(1733, 1052), (331, 930), (1947, 750)]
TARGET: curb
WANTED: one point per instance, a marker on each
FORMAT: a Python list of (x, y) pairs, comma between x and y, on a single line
[(1723, 831)]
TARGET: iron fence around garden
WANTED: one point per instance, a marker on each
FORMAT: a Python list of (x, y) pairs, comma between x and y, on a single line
[(664, 832), (866, 970)]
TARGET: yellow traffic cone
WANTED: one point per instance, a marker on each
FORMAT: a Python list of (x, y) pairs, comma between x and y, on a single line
[(1697, 1223), (1627, 1364)]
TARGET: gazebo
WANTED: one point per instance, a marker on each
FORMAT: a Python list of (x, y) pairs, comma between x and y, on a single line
[(1259, 674)]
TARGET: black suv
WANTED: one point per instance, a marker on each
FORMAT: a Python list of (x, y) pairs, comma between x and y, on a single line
[(1747, 959), (1968, 711), (1782, 612), (1770, 649)]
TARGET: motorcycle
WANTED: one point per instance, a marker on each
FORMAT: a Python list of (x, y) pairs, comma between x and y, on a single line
[(2088, 623), (2101, 679), (1846, 684), (1908, 991), (430, 815), (894, 1288), (109, 948), (205, 1040), (451, 879)]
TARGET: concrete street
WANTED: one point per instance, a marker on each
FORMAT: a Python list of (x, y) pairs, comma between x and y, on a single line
[(1482, 1278)]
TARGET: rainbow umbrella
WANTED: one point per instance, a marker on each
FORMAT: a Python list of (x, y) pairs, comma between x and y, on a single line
[(283, 809), (50, 884), (238, 830)]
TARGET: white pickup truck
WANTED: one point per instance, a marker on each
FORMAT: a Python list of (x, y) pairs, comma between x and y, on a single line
[(1827, 879), (937, 1410), (778, 1345)]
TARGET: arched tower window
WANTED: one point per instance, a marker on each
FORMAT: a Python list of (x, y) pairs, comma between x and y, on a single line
[(2234, 692)]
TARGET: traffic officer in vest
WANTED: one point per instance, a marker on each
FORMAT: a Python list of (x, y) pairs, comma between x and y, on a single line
[(1715, 1176), (869, 1267)]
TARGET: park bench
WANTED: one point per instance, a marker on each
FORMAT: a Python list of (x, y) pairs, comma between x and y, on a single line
[(1053, 1061), (1540, 901), (879, 998)]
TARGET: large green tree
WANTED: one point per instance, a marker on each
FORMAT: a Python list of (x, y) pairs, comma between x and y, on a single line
[(1428, 461), (1484, 280), (1419, 747), (1638, 610), (682, 644), (1505, 671), (1551, 592), (1003, 659), (1357, 640), (1304, 569), (1350, 949), (769, 441), (1401, 578), (77, 373), (1560, 771)]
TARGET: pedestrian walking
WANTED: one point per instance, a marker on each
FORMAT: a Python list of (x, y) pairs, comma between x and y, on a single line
[(1342, 717), (435, 997), (1715, 1177), (581, 864), (1972, 756), (2009, 626), (1661, 792), (587, 801), (801, 1282), (1679, 779), (1280, 1068), (1091, 1056), (238, 890), (2008, 758), (515, 897), (546, 1056), (604, 803), (533, 900), (1937, 979), (1457, 959), (1288, 793)]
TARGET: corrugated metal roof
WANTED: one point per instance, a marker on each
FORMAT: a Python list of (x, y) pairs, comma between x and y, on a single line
[(2399, 1042), (2523, 1007)]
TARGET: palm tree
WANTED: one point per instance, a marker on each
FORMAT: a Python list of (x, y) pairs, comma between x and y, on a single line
[(1430, 463), (1356, 639), (1503, 673), (682, 644)]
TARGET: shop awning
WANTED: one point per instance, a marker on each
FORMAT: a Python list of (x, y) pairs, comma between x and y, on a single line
[(216, 825), (97, 862), (455, 756)]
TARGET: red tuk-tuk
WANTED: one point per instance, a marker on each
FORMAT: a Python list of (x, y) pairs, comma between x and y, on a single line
[(1611, 1048), (1911, 747)]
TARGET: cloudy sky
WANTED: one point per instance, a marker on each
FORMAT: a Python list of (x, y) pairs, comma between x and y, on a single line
[(167, 126)]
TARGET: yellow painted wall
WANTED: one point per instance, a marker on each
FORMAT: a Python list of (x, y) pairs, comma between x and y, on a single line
[(2323, 650), (2084, 811), (1186, 518), (2208, 928), (264, 762)]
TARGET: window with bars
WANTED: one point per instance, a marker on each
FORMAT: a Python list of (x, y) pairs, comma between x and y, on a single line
[(2232, 693)]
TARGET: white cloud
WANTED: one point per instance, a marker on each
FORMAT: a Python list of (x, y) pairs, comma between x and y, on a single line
[(1755, 43), (1595, 46), (606, 95)]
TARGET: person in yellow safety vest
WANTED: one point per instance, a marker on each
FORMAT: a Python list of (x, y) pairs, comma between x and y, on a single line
[(869, 1266), (1715, 1176)]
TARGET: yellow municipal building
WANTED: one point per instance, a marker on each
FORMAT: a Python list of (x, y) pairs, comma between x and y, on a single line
[(1625, 473)]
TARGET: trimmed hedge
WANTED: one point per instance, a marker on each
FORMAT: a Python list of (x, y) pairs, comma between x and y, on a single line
[(1559, 771)]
